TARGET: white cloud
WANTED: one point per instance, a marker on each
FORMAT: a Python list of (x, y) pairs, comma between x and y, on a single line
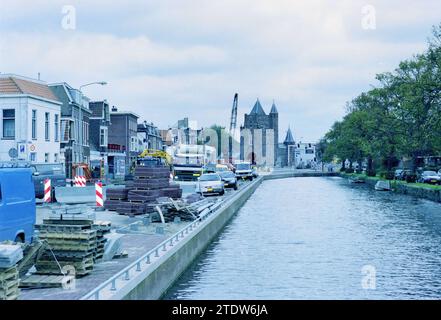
[(171, 58)]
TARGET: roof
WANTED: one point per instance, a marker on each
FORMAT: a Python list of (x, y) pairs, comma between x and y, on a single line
[(289, 139), (18, 85), (273, 108), (257, 109), (124, 113)]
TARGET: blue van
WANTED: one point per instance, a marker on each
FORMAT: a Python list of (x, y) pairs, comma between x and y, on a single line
[(17, 204)]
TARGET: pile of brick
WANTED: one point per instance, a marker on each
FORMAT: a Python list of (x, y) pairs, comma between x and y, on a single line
[(139, 196), (71, 243)]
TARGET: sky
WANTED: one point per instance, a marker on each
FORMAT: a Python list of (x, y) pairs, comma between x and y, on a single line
[(170, 59)]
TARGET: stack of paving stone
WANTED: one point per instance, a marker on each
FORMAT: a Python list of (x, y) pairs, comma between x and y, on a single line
[(9, 283), (149, 184), (114, 196), (10, 255), (102, 228), (69, 243)]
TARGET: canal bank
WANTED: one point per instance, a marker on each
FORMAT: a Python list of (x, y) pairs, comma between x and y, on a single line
[(428, 192)]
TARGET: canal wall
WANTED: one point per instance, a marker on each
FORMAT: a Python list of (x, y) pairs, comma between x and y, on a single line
[(296, 174), (166, 270), (404, 188)]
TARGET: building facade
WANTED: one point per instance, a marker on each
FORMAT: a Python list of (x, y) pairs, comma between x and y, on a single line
[(260, 136), (75, 121), (99, 138), (29, 120), (305, 155), (149, 136), (123, 142)]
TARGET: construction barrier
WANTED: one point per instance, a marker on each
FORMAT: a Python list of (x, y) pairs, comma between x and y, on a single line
[(80, 181), (99, 194), (47, 191)]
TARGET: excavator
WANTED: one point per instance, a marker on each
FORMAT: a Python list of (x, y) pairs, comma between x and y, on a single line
[(154, 157)]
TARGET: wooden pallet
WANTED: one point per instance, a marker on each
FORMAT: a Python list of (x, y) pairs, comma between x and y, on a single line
[(46, 281)]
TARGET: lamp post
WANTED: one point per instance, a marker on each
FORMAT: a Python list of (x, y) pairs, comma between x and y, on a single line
[(102, 83)]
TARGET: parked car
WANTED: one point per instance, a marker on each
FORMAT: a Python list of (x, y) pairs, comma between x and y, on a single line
[(244, 171), (43, 171), (430, 177), (255, 173), (229, 179), (210, 183), (17, 204), (398, 175)]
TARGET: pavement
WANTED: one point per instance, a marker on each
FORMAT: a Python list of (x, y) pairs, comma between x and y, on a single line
[(137, 240)]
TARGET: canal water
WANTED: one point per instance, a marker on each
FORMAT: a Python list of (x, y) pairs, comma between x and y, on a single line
[(321, 238)]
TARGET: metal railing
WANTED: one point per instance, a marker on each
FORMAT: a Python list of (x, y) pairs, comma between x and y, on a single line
[(118, 281)]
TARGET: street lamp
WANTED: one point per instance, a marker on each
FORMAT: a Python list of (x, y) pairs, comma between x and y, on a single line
[(102, 83)]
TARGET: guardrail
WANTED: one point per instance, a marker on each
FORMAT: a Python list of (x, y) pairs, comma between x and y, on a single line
[(117, 282)]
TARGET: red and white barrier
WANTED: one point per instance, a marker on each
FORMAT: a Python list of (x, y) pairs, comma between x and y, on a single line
[(80, 181), (47, 191), (99, 194)]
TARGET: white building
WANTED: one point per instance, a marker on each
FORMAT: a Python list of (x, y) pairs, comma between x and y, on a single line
[(305, 155), (29, 120)]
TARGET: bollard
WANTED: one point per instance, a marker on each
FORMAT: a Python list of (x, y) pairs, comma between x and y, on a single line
[(47, 191), (147, 260), (99, 196)]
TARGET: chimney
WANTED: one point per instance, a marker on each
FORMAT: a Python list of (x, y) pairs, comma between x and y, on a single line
[(114, 109)]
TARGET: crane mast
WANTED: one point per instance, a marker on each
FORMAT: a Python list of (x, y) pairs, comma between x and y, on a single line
[(233, 123)]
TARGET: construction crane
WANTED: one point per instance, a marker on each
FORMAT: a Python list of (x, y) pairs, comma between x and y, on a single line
[(233, 122)]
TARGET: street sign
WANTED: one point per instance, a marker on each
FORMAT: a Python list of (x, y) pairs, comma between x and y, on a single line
[(22, 151), (13, 153)]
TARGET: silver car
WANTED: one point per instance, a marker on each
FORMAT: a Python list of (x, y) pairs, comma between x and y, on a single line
[(210, 183)]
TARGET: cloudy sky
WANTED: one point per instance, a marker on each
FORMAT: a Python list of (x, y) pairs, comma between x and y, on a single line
[(168, 59)]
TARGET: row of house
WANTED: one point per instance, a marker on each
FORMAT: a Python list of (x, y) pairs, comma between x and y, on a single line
[(56, 123)]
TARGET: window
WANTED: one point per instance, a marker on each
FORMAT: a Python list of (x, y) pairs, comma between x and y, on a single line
[(56, 128), (66, 130), (34, 124), (85, 133), (133, 144), (33, 157), (46, 126), (9, 123), (103, 136), (46, 157), (55, 157)]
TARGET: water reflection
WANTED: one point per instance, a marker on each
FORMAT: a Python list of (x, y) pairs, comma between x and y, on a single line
[(309, 238)]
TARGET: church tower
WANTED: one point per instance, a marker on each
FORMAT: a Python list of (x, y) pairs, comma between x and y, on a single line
[(274, 124), (289, 158), (257, 119)]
